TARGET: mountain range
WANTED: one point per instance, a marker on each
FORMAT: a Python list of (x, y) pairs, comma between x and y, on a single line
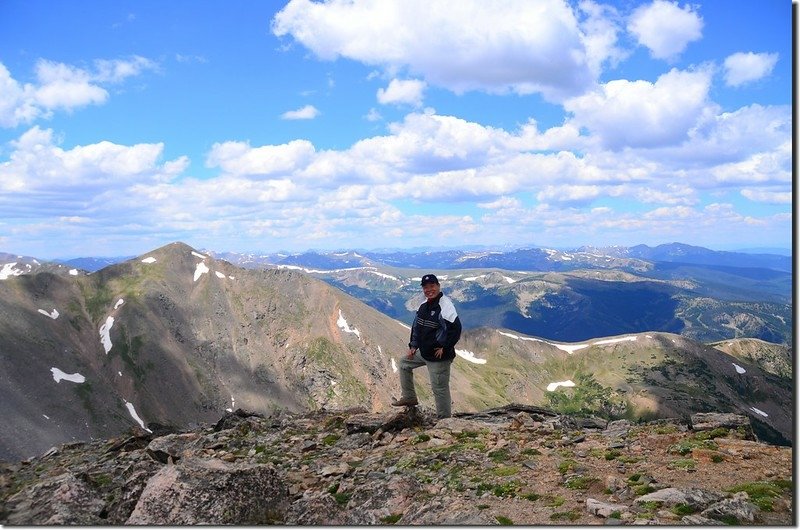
[(175, 336)]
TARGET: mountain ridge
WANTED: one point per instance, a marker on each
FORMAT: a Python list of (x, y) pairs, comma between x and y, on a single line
[(175, 336)]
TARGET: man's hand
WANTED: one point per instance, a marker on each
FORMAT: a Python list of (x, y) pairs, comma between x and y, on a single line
[(438, 352), (411, 352)]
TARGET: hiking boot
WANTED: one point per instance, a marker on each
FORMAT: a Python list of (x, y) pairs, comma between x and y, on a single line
[(405, 402)]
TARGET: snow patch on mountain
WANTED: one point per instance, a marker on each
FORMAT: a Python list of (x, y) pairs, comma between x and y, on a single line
[(105, 334), (552, 386), (58, 375), (200, 270), (53, 315), (8, 270), (135, 416), (739, 369), (149, 259), (469, 356), (119, 303), (344, 326)]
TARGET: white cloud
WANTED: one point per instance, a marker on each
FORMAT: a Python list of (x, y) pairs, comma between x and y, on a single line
[(642, 114), (308, 112), (42, 177), (238, 158), (60, 86), (568, 194), (743, 68), (373, 115), (299, 196), (770, 197), (497, 47), (402, 91), (665, 27)]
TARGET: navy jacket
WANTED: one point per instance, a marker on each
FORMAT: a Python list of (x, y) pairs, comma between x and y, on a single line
[(436, 325)]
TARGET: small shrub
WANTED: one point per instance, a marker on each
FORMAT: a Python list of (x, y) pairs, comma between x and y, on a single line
[(579, 483), (330, 439), (644, 489), (717, 459), (762, 494), (499, 455), (611, 454), (391, 519), (505, 471), (531, 452), (420, 438), (616, 514), (482, 506), (571, 515), (555, 501), (509, 489), (567, 465), (531, 496), (684, 463), (683, 509), (503, 520)]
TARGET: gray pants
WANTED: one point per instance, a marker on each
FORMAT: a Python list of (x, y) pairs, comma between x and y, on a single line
[(439, 373)]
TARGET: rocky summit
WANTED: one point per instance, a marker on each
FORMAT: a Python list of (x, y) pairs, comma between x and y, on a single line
[(515, 464)]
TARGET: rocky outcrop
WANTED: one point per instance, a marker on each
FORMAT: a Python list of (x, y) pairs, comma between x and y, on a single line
[(210, 491), (507, 465)]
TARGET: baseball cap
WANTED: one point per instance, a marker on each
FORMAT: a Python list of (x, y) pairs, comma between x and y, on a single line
[(429, 278)]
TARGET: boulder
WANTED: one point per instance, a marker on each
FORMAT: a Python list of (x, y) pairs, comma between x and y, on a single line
[(696, 498), (197, 491), (603, 509), (171, 446), (62, 500)]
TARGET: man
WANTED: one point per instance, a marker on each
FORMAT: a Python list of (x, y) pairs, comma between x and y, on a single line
[(434, 334)]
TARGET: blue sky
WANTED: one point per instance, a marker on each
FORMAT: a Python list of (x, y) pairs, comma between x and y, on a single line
[(265, 126)]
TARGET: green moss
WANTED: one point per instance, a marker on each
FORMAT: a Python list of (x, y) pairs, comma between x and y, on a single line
[(611, 454), (531, 452), (531, 496), (503, 520)]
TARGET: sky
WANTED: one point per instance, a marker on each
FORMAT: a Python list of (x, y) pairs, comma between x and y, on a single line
[(263, 126)]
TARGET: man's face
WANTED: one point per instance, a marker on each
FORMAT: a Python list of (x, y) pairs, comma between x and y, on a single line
[(431, 290)]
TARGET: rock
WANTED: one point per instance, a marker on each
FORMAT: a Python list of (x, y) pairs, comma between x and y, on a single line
[(234, 419), (62, 500), (592, 422), (738, 507), (693, 497), (196, 491), (706, 421), (335, 469), (354, 441), (317, 509), (699, 520), (617, 429), (603, 509), (614, 483), (172, 445)]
